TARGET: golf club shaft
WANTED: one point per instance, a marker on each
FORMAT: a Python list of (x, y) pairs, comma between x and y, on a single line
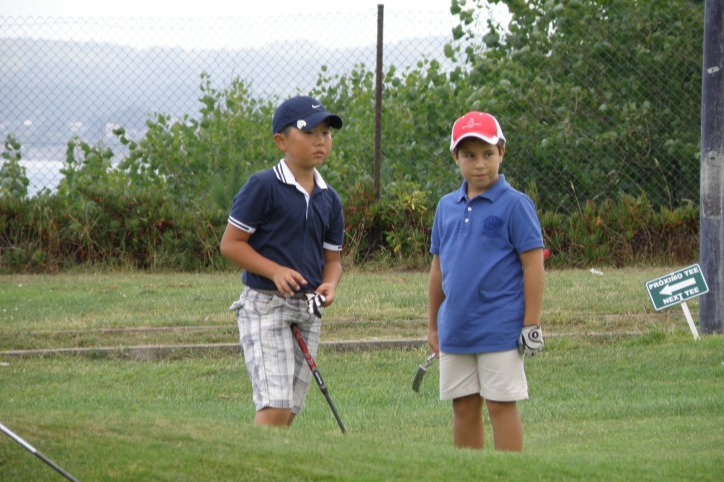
[(33, 451), (317, 376)]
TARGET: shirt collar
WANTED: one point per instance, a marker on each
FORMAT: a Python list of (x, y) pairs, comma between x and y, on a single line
[(492, 194), (284, 174)]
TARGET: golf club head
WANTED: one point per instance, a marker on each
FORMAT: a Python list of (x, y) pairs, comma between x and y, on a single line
[(418, 378), (421, 373)]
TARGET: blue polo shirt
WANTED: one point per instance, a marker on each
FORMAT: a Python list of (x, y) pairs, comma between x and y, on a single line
[(288, 226), (479, 242)]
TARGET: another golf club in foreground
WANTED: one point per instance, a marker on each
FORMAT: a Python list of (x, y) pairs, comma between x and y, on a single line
[(315, 372), (421, 373), (32, 450)]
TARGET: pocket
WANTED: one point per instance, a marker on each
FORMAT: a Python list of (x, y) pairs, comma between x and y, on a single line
[(240, 303)]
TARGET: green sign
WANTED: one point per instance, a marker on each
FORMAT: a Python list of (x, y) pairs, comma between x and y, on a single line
[(677, 287)]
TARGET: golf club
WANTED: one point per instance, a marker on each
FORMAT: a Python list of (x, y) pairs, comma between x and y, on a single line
[(421, 373), (315, 372), (32, 450)]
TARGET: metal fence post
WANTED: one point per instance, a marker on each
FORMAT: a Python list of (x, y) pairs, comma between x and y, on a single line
[(378, 98), (711, 229)]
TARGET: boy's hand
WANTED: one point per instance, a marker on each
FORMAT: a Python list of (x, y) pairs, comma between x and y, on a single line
[(288, 281), (531, 340), (327, 290)]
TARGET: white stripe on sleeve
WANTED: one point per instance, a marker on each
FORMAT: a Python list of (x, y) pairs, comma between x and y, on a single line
[(331, 247), (244, 227)]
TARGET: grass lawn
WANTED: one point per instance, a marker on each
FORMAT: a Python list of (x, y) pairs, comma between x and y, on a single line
[(133, 309), (644, 407)]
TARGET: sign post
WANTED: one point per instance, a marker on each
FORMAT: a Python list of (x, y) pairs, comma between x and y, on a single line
[(677, 287)]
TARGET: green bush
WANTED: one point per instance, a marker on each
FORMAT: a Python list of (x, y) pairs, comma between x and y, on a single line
[(13, 177), (204, 160), (108, 227), (622, 232), (114, 226)]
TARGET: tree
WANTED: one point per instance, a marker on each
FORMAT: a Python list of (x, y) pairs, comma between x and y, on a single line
[(599, 95)]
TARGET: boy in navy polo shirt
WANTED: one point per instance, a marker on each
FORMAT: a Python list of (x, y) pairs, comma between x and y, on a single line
[(285, 231), (485, 289)]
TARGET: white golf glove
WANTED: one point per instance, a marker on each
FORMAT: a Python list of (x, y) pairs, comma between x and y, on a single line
[(531, 340), (314, 301)]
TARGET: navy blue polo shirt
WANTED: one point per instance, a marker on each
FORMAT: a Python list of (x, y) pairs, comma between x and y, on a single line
[(479, 242), (287, 225)]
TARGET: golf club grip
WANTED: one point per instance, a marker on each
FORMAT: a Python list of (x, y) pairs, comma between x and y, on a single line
[(303, 347), (309, 358)]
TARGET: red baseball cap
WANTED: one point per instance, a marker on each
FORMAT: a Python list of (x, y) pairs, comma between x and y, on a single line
[(476, 124)]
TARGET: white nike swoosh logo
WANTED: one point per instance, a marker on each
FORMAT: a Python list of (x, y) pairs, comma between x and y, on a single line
[(316, 106)]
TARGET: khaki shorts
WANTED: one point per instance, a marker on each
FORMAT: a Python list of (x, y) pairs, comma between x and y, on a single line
[(278, 370), (497, 376)]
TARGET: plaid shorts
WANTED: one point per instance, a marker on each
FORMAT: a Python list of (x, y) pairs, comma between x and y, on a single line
[(278, 370)]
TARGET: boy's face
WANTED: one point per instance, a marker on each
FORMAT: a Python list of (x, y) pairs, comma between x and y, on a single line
[(479, 163), (306, 149)]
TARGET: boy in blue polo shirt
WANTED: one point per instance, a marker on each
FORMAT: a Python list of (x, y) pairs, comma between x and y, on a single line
[(485, 289), (285, 231)]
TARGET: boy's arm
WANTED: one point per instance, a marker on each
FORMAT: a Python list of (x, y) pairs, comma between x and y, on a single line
[(331, 274), (533, 285), (235, 246), (435, 296)]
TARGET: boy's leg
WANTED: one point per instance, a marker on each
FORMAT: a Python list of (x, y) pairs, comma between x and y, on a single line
[(279, 417), (459, 382), (503, 382), (507, 427), (468, 422)]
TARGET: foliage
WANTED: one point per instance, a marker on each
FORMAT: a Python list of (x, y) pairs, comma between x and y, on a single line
[(107, 225), (13, 178), (420, 105), (395, 229), (583, 87), (86, 167), (622, 232), (204, 160)]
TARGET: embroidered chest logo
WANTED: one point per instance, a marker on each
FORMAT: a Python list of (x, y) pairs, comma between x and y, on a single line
[(492, 227)]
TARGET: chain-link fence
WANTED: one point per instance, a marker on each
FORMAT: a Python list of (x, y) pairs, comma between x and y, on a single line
[(591, 106), (62, 77)]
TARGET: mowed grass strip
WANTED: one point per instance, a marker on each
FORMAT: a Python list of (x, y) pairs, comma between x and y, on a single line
[(641, 408), (108, 309)]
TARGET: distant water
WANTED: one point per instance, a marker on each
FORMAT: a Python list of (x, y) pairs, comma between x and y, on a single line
[(42, 173), (42, 167)]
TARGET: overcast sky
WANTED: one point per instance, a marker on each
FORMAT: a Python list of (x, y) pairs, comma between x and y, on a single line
[(223, 23), (206, 8)]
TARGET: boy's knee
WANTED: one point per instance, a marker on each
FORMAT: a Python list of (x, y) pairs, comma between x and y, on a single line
[(468, 404), (501, 408)]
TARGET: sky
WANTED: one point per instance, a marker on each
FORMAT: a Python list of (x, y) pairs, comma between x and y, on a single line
[(221, 23), (205, 8)]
